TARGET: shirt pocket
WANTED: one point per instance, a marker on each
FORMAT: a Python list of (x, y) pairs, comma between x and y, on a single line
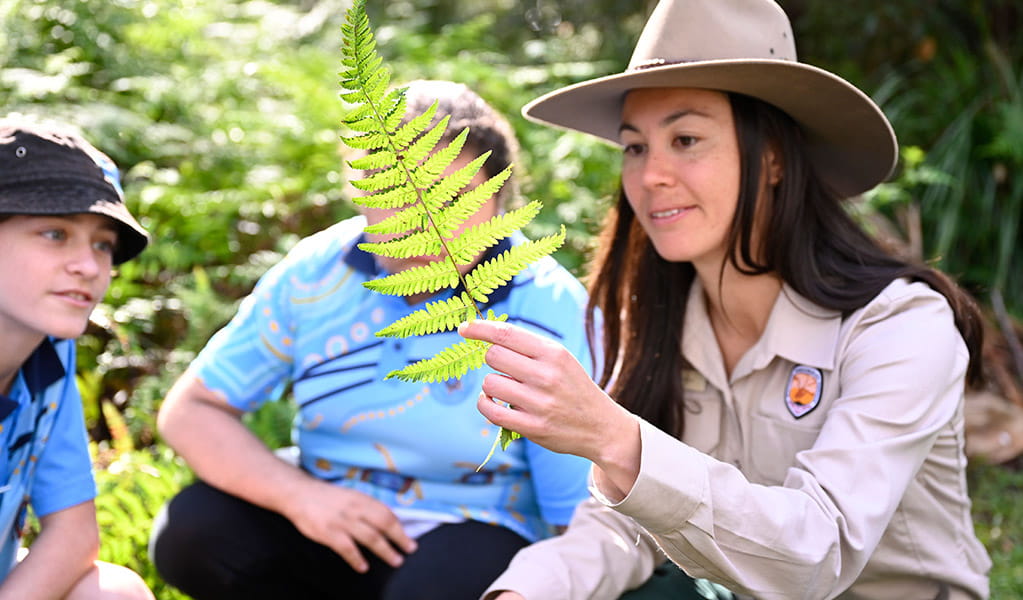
[(702, 425), (774, 446)]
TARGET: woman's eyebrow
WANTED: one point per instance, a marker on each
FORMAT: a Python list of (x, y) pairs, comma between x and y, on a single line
[(668, 120)]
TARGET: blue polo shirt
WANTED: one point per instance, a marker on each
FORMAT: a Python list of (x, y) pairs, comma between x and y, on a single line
[(309, 325), (44, 457)]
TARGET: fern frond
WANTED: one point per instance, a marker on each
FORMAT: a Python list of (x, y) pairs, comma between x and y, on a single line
[(494, 273), (439, 195), (474, 240), (450, 363), (407, 175), (467, 204), (417, 280), (427, 172), (442, 315), (417, 243), (396, 197)]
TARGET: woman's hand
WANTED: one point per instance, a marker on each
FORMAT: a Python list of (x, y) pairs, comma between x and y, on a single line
[(553, 400), (344, 520)]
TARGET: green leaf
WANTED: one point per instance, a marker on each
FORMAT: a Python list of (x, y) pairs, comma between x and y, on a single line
[(450, 363)]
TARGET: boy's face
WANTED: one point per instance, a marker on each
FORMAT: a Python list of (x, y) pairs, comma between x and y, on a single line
[(53, 272)]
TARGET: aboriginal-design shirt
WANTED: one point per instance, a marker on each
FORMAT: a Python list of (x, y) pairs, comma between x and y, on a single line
[(307, 332)]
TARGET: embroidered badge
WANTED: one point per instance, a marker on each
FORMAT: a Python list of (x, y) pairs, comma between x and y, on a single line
[(803, 392)]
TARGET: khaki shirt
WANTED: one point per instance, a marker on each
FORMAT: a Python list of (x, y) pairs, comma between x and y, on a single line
[(829, 465)]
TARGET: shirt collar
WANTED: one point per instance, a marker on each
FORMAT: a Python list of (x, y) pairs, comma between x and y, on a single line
[(801, 331), (797, 330), (39, 371), (364, 263)]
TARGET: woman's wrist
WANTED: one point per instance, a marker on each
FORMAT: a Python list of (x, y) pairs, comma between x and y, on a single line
[(618, 460)]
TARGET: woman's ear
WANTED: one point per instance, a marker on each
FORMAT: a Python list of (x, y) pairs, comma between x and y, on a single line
[(773, 165)]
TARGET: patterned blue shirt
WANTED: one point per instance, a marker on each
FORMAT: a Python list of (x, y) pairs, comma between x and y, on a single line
[(45, 453), (309, 324)]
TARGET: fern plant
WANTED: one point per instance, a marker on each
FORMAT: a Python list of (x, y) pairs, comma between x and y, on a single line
[(407, 163)]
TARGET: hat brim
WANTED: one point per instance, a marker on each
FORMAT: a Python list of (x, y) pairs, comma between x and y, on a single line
[(57, 197), (849, 139)]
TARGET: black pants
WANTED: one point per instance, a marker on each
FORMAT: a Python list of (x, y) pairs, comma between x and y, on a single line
[(211, 545)]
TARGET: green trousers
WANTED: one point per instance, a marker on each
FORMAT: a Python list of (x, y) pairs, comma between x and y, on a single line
[(671, 583)]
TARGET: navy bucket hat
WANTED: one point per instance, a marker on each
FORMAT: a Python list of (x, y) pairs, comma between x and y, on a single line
[(45, 170)]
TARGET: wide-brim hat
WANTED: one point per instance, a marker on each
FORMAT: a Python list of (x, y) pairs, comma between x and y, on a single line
[(745, 47), (49, 170)]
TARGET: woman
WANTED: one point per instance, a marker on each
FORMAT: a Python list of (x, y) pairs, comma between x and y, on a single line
[(783, 405)]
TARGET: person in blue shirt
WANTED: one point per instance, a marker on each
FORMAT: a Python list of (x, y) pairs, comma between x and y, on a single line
[(383, 499), (63, 225)]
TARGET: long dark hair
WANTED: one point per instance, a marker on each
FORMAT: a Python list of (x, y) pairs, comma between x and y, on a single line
[(808, 239)]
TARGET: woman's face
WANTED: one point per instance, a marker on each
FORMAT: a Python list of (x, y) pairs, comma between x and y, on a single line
[(680, 170)]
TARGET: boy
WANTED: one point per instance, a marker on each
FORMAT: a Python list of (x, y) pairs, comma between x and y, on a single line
[(63, 225)]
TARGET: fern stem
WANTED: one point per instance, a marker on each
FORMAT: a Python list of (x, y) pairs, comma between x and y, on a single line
[(422, 202), (433, 224)]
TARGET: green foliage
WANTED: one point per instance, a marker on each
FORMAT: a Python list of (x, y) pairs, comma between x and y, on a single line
[(998, 521), (132, 489)]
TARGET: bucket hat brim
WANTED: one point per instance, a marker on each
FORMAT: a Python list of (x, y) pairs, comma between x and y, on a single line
[(59, 197)]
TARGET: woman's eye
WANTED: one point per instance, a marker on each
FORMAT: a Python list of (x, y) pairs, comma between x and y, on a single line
[(685, 140), (632, 149)]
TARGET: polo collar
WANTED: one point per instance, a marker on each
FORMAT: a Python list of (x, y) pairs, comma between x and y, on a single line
[(39, 371), (363, 262)]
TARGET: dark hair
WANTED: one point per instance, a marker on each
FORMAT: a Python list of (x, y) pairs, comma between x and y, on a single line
[(488, 129), (809, 239)]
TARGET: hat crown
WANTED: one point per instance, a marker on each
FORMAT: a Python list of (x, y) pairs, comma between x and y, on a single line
[(682, 31)]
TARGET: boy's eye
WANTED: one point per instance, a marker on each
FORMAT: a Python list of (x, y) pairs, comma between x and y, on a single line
[(107, 246), (55, 234)]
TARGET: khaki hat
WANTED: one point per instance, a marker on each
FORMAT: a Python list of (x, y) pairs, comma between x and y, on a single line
[(742, 46), (47, 170)]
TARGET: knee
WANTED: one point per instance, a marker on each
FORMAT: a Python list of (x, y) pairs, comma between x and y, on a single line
[(107, 581), (182, 538)]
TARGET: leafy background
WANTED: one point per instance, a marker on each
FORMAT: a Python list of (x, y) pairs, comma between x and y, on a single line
[(224, 118)]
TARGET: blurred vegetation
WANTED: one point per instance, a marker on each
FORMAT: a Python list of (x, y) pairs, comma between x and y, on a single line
[(224, 118)]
